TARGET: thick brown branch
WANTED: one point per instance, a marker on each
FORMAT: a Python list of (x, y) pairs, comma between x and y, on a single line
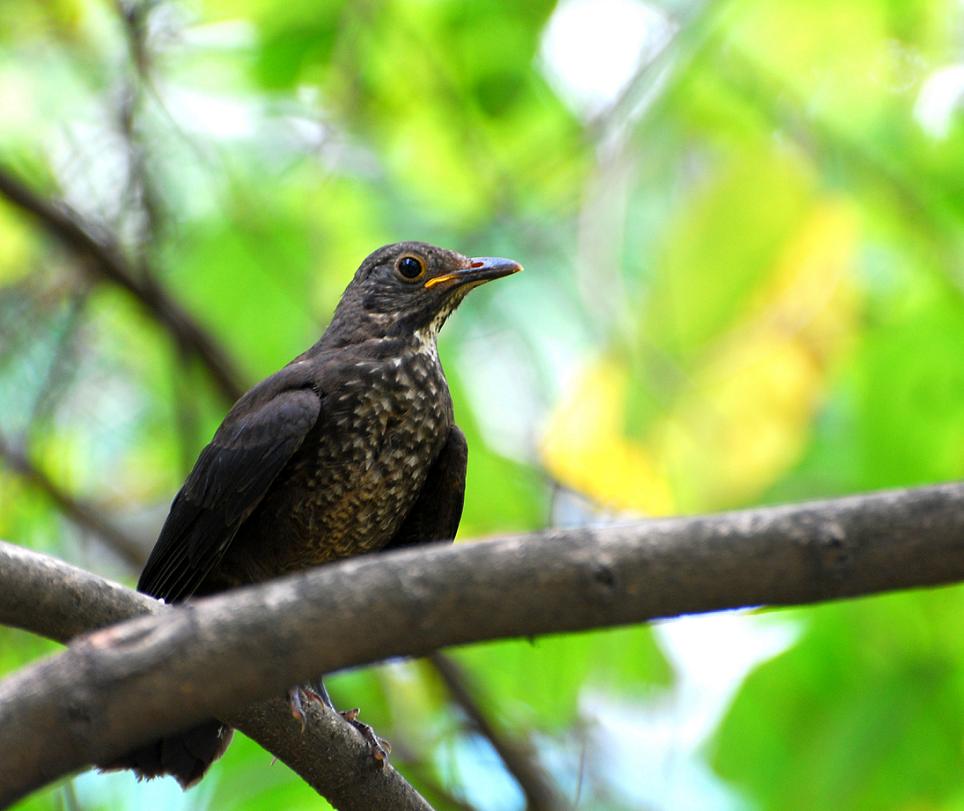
[(327, 755), (122, 685), (48, 597), (103, 259)]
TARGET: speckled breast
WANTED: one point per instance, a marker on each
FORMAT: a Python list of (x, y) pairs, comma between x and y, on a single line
[(387, 426), (354, 479)]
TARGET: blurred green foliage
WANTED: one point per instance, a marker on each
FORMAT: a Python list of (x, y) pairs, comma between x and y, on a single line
[(744, 284)]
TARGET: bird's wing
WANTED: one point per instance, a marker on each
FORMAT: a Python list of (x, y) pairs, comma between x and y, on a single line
[(231, 476), (437, 510)]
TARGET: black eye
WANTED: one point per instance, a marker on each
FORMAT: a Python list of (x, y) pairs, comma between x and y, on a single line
[(410, 267)]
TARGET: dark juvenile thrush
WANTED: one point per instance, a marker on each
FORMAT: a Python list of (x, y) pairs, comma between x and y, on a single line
[(350, 448)]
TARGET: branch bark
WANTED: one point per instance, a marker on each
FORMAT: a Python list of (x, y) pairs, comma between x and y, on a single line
[(123, 685), (104, 260), (49, 597), (269, 724)]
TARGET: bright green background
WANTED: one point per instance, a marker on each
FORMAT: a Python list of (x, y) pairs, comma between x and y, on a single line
[(743, 285)]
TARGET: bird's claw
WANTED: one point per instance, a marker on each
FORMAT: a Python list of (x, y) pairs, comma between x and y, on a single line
[(310, 693), (297, 710), (379, 747)]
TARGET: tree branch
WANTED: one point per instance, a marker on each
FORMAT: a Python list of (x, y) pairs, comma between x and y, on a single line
[(516, 755), (325, 754), (123, 685), (49, 597), (103, 259), (76, 511)]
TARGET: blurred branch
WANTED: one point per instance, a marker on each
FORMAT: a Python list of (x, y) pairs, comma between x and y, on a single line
[(102, 258), (540, 793), (143, 195), (63, 365), (59, 601), (269, 724), (421, 772), (133, 15), (691, 29), (77, 511), (119, 687)]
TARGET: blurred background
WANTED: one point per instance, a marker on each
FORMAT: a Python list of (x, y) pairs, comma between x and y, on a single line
[(741, 223)]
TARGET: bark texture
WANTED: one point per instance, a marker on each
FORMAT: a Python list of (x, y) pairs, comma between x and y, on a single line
[(121, 685)]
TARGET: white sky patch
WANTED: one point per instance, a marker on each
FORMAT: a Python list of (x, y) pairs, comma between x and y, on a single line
[(503, 393), (941, 97), (218, 116), (592, 48), (512, 376), (119, 790), (712, 654), (655, 749), (225, 35)]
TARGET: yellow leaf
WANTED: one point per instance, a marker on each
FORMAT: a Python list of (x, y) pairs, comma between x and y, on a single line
[(15, 247), (584, 448), (742, 418)]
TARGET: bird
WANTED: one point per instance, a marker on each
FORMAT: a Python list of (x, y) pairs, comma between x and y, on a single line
[(351, 448)]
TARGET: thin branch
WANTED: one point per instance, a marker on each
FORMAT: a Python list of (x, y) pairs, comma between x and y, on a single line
[(144, 194), (519, 760), (103, 259), (124, 685), (330, 756), (422, 772), (75, 510), (133, 15), (270, 723), (48, 597), (62, 366)]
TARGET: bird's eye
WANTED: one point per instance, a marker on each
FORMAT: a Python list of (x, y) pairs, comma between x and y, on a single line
[(410, 267)]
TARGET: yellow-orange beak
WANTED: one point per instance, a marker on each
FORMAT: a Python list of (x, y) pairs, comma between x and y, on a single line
[(481, 269)]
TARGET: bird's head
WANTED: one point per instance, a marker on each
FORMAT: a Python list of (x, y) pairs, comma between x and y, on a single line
[(410, 287)]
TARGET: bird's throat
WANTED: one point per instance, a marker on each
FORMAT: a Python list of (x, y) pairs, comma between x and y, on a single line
[(426, 342)]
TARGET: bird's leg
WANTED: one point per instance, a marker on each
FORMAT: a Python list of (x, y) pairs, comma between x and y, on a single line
[(320, 693), (297, 710), (380, 748), (316, 690)]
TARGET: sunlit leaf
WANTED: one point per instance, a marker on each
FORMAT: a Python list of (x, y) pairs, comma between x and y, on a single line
[(741, 418), (864, 713)]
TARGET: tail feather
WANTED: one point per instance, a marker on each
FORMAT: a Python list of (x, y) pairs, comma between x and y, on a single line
[(186, 756)]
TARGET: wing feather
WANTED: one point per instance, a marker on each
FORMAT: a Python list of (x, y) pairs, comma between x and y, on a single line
[(436, 513), (230, 478)]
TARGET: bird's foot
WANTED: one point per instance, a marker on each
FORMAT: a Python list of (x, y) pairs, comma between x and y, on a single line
[(379, 747), (294, 702)]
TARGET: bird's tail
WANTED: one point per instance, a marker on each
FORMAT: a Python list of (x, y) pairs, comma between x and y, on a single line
[(185, 756)]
